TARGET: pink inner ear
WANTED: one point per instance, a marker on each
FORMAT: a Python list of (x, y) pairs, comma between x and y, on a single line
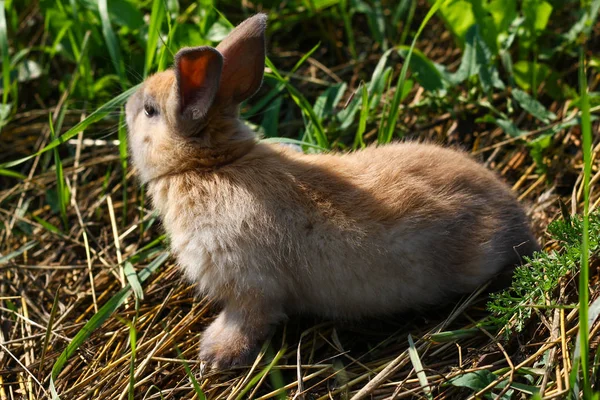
[(193, 70)]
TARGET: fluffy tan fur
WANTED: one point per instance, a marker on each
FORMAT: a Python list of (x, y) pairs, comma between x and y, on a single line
[(268, 231)]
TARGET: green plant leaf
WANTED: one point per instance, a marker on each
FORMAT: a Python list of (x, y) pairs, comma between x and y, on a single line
[(532, 106), (12, 174), (98, 319), (5, 259), (475, 381), (363, 116), (133, 280), (510, 128), (413, 354), (537, 14), (387, 133), (326, 102), (111, 41), (157, 16), (270, 121), (459, 17), (477, 60), (5, 55), (96, 116), (424, 70)]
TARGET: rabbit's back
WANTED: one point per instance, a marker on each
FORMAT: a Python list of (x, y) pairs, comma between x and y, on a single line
[(381, 229)]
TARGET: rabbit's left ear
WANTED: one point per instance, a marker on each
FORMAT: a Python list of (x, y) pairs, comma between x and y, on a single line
[(198, 72), (243, 53)]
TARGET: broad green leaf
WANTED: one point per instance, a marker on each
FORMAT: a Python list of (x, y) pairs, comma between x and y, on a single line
[(503, 13), (126, 13), (477, 60), (525, 71), (424, 71), (488, 73), (510, 128), (458, 15), (538, 146), (468, 63), (475, 381), (537, 14), (532, 106)]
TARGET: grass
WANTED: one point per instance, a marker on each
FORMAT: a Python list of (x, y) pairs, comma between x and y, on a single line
[(92, 305)]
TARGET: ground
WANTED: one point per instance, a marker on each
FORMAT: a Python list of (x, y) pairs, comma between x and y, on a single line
[(75, 224)]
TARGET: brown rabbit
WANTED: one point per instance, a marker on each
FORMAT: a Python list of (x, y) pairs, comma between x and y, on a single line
[(267, 231)]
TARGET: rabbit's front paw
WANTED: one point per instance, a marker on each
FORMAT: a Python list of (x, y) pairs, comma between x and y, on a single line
[(227, 344)]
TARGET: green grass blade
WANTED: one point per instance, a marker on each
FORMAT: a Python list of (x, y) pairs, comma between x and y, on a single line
[(259, 376), (98, 319), (5, 259), (124, 161), (94, 117), (586, 134), (133, 280), (413, 354), (62, 191), (303, 104), (11, 174), (364, 115), (49, 329), (133, 344), (111, 42), (347, 18), (4, 53), (156, 19), (47, 225), (188, 371), (395, 107)]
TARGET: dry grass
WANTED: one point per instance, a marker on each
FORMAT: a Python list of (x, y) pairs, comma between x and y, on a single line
[(319, 359)]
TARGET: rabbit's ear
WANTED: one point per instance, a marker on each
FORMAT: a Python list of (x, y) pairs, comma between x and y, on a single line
[(198, 72), (243, 51)]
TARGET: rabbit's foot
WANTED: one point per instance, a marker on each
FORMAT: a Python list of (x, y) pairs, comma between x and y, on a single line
[(232, 340)]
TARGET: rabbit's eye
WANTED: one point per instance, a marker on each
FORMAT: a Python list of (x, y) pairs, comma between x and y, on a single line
[(149, 110)]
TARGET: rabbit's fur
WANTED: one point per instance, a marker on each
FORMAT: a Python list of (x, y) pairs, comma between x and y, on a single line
[(268, 231)]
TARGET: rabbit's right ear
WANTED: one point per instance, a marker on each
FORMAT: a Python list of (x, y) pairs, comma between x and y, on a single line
[(198, 73), (243, 51)]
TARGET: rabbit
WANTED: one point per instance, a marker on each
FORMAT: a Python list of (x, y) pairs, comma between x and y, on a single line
[(267, 231)]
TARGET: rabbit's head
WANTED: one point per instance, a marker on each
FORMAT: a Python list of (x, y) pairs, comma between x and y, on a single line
[(187, 117)]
